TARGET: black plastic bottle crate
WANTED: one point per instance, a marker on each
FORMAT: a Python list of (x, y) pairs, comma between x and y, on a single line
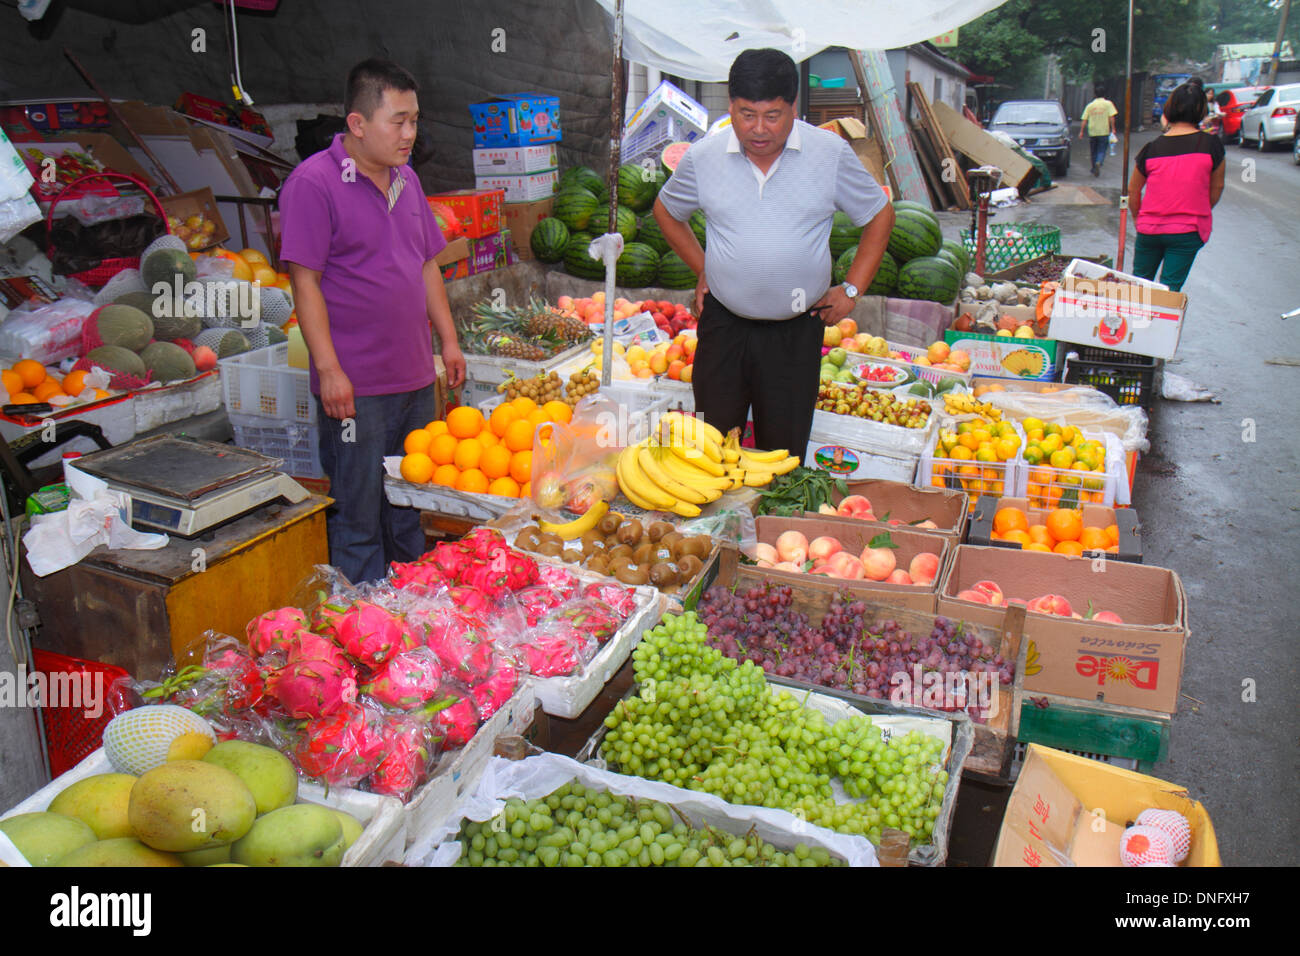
[(1125, 377)]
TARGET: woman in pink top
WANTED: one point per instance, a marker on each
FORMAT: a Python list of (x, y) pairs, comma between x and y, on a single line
[(1177, 180)]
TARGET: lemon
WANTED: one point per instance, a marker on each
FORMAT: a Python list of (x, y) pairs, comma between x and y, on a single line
[(1033, 454)]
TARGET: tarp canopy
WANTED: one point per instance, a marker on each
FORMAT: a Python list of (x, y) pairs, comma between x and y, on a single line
[(699, 39)]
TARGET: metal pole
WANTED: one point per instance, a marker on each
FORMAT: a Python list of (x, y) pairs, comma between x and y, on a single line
[(1277, 47), (1128, 124), (615, 160)]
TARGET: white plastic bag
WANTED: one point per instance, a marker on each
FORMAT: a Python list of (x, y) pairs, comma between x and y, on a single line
[(45, 332)]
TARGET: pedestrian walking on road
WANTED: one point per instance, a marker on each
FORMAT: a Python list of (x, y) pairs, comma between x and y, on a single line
[(769, 188), (1098, 124), (1177, 179)]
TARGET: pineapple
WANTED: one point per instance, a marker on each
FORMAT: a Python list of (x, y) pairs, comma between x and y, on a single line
[(543, 321)]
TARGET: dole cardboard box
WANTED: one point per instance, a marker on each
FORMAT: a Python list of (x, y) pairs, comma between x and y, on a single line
[(1138, 663), (479, 210), (1067, 810), (516, 119), (521, 218), (897, 503), (514, 160), (1002, 356), (854, 537), (522, 188), (1114, 310)]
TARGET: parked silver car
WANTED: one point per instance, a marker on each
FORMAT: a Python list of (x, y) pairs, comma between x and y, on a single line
[(1272, 118)]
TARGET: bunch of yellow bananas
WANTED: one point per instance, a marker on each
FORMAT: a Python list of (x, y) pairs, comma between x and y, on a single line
[(749, 468), (964, 403)]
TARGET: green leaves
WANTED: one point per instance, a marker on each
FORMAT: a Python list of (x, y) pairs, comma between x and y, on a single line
[(803, 489), (885, 540)]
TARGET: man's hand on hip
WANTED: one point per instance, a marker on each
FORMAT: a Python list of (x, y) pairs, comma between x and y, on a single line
[(701, 289), (833, 306), (454, 361), (336, 394)]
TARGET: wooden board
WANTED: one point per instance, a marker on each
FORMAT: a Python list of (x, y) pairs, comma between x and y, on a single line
[(1069, 723), (956, 184), (972, 142), (887, 123), (940, 196)]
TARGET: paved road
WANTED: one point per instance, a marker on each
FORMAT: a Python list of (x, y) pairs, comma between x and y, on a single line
[(1218, 493)]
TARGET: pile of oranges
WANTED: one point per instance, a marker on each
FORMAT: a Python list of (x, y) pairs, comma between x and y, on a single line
[(28, 383), (1061, 532), (492, 455)]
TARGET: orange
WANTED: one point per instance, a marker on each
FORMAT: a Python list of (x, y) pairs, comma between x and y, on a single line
[(519, 436), (1112, 534), (466, 421), (47, 388), (1094, 539), (253, 257), (443, 449), (265, 275), (13, 382), (1039, 534), (1065, 524), (558, 411), (23, 398), (1069, 547), (100, 394), (242, 268), (994, 536), (523, 405), (526, 490), (31, 371), (1037, 546), (417, 441), (1017, 535), (436, 428), (472, 480), (487, 439), (417, 468), (521, 466), (507, 487), (501, 418), (446, 475), (74, 383), (1010, 519), (495, 462), (468, 454), (537, 417)]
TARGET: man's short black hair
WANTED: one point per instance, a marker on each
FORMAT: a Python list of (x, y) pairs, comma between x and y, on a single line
[(1099, 90), (367, 82), (761, 75), (1186, 104)]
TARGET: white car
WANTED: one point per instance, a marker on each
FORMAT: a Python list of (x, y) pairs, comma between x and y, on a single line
[(1272, 118)]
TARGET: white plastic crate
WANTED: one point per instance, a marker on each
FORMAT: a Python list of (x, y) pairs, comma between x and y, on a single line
[(483, 373), (297, 443), (261, 383), (1112, 486), (446, 501), (993, 478)]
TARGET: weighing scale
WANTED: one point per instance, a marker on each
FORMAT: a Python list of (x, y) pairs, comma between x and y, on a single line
[(186, 486)]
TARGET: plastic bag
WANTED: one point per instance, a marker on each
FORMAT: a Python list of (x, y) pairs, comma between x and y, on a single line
[(1081, 407), (726, 526), (573, 464), (47, 333)]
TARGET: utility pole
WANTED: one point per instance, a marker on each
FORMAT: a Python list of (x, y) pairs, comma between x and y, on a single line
[(1277, 47)]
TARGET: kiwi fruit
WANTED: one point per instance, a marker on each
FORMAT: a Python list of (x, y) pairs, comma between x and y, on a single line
[(658, 529), (662, 552), (642, 552), (630, 533), (528, 538), (551, 549), (635, 574), (663, 574), (688, 566), (698, 545), (620, 551), (671, 538), (620, 563), (572, 557), (592, 542), (609, 524), (550, 537), (598, 562)]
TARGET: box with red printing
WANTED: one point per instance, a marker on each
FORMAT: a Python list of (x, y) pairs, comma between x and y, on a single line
[(491, 252), (479, 210)]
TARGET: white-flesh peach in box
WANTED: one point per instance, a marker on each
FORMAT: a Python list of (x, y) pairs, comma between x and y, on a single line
[(793, 547), (879, 563)]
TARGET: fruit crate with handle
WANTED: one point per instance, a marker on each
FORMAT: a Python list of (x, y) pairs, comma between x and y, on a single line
[(262, 384), (1047, 487), (297, 444), (382, 839), (1127, 378)]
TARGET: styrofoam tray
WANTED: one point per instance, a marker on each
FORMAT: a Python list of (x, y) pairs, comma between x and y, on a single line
[(383, 839), (155, 407), (447, 501)]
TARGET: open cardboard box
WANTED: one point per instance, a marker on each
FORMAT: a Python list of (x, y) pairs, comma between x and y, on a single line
[(1129, 315), (1068, 810), (1098, 516), (854, 536), (1135, 664), (898, 501), (198, 202)]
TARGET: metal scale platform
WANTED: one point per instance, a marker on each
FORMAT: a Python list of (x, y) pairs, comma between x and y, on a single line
[(186, 486)]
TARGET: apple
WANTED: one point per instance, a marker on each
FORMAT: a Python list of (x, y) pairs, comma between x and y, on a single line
[(848, 328), (850, 345), (831, 336), (793, 547), (821, 549), (854, 506), (879, 563), (837, 357), (845, 375)]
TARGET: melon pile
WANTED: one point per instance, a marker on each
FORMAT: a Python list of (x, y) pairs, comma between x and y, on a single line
[(919, 263)]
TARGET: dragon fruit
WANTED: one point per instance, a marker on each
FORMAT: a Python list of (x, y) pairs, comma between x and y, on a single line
[(245, 685), (408, 753), (372, 634), (313, 688), (457, 723), (586, 618), (621, 599), (451, 559), (308, 646), (553, 655), (536, 602), (469, 600), (407, 680), (559, 579), (484, 542), (489, 576), (459, 641), (274, 628), (342, 748), (521, 570), (416, 577), (492, 693), (325, 616)]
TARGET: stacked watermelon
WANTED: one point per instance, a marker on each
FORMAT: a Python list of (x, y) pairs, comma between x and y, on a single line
[(926, 268), (843, 234)]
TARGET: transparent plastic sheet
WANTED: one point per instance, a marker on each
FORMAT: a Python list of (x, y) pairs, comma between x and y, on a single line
[(726, 526), (573, 464), (1081, 407)]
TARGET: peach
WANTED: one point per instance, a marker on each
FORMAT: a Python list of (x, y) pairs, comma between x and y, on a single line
[(878, 563), (899, 576), (765, 552), (826, 509), (821, 549), (927, 523), (847, 567), (960, 358), (923, 568), (787, 566), (937, 352), (793, 547), (1051, 604), (990, 590), (975, 597), (764, 564), (1109, 617), (854, 506)]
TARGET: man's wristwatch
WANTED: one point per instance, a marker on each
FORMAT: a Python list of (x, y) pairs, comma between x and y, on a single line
[(850, 290)]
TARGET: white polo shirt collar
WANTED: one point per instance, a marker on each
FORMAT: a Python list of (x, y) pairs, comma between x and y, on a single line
[(793, 141)]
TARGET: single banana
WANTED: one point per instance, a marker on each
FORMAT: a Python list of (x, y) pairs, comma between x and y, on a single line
[(750, 455), (685, 509), (692, 475), (644, 488), (693, 434), (626, 487), (656, 472), (578, 526), (704, 428), (729, 455)]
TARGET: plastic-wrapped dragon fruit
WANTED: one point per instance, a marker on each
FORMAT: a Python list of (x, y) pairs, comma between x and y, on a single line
[(343, 748)]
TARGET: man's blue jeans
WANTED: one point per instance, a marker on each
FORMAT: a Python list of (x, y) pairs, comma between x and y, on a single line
[(1099, 146), (365, 531)]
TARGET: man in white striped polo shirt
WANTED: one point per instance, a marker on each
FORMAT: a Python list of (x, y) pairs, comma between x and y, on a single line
[(769, 188)]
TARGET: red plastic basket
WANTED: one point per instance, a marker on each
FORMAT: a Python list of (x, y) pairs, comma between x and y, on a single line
[(107, 268), (70, 735)]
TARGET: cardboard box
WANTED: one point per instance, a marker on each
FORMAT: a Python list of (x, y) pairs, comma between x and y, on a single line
[(1135, 664), (198, 202), (479, 210), (514, 160), (491, 252), (865, 147), (452, 252), (109, 152), (1052, 816), (666, 116), (458, 269), (1008, 357), (516, 119), (971, 141), (855, 536), (1130, 315), (521, 218), (523, 188), (238, 118), (1125, 519), (900, 501), (67, 115)]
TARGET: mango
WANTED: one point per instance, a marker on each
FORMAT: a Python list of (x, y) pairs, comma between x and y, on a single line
[(190, 805), (101, 802), (45, 838), (122, 851), (266, 772), (352, 828), (302, 835), (212, 856)]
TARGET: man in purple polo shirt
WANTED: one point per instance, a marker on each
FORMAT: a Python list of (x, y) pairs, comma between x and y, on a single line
[(360, 240)]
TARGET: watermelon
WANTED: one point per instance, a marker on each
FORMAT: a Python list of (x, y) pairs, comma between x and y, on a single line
[(929, 278), (957, 249), (575, 207), (672, 155), (901, 204), (697, 226), (637, 266), (584, 177), (885, 280), (915, 234), (636, 186), (652, 235), (949, 256), (578, 262), (840, 271), (843, 234), (549, 240), (674, 273), (626, 223)]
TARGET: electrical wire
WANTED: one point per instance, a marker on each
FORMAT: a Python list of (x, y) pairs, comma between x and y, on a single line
[(236, 77)]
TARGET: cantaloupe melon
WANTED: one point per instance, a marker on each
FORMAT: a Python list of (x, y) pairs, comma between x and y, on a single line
[(164, 265), (168, 362), (123, 325), (114, 358)]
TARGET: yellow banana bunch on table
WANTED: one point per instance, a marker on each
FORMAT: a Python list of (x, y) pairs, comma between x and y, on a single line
[(644, 478), (749, 468)]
